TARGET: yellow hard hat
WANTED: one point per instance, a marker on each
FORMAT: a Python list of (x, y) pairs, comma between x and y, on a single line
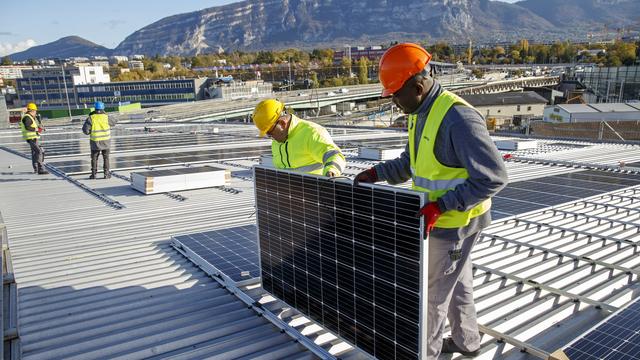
[(32, 106), (266, 114)]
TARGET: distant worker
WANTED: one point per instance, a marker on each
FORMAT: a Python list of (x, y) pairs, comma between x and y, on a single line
[(451, 157), (297, 145), (31, 129), (98, 127)]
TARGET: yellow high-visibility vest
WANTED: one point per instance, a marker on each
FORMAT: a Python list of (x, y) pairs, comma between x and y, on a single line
[(431, 176), (28, 134), (100, 129), (308, 149)]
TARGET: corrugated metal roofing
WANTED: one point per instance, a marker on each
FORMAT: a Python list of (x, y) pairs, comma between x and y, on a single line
[(96, 282)]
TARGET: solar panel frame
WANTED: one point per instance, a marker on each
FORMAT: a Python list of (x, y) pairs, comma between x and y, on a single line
[(185, 244), (377, 342), (611, 337)]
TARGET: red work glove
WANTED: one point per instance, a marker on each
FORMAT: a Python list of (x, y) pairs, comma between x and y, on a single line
[(431, 213), (367, 176), (39, 130), (506, 156)]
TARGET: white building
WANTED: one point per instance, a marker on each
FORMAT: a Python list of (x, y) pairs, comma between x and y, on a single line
[(90, 75), (572, 113), (117, 58), (510, 106), (13, 71), (136, 65), (240, 90)]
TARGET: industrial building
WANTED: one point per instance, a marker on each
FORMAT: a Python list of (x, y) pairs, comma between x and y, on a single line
[(575, 113), (508, 107), (233, 90), (13, 71), (609, 84), (48, 87), (148, 93)]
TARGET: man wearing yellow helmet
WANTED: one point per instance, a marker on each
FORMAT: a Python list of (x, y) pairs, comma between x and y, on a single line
[(297, 145), (31, 129)]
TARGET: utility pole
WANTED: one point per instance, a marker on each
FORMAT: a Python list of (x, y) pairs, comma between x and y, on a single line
[(66, 92), (290, 84)]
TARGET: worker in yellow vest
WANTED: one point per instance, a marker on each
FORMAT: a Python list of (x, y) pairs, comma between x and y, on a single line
[(98, 127), (451, 157), (31, 128), (297, 145)]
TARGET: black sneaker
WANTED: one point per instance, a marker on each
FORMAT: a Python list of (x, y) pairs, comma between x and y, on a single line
[(92, 177), (448, 347), (107, 176), (42, 172)]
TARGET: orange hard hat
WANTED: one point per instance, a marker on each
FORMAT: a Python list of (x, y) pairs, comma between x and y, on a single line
[(399, 64)]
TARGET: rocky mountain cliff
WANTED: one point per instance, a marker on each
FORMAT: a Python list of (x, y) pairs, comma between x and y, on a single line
[(261, 24), (273, 24), (265, 24)]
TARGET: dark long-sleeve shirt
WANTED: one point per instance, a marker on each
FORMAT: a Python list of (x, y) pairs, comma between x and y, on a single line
[(462, 142), (86, 129)]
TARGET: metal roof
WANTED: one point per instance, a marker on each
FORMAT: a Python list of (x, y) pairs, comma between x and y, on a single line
[(99, 282), (510, 98), (576, 108), (613, 107)]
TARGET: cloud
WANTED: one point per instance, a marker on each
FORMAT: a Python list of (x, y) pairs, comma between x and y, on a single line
[(6, 33), (114, 23), (9, 48)]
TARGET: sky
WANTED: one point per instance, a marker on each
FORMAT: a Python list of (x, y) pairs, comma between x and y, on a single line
[(107, 23), (36, 22)]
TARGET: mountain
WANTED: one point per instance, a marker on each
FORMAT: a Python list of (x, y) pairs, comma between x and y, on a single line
[(70, 46), (306, 24), (264, 24), (583, 13)]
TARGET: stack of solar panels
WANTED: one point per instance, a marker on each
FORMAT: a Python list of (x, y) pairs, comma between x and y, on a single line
[(161, 181), (380, 153), (350, 258)]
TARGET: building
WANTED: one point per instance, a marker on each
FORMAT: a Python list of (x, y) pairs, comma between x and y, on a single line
[(47, 87), (354, 53), (609, 84), (136, 65), (573, 113), (511, 107), (148, 93), (13, 71), (240, 89), (118, 58), (4, 113)]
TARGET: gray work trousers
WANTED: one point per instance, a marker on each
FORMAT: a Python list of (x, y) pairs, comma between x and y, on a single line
[(94, 161), (451, 296), (37, 154)]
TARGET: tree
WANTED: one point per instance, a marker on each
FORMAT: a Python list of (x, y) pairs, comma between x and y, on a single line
[(363, 70), (32, 62), (7, 61), (314, 80)]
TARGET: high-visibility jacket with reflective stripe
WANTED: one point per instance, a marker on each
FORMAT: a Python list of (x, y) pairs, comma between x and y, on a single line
[(100, 129), (433, 177), (308, 149), (32, 132)]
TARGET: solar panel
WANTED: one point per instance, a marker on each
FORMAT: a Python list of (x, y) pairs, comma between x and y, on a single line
[(616, 338), (231, 252), (524, 196), (349, 258)]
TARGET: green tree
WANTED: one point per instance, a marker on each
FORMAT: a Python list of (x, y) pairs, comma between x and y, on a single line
[(7, 61), (314, 80), (363, 70)]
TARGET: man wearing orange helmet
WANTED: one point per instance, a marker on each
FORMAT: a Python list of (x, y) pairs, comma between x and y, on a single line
[(451, 157)]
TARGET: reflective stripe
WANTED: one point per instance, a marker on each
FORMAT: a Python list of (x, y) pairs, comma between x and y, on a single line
[(28, 134), (309, 168), (436, 184), (333, 163), (329, 154), (100, 129)]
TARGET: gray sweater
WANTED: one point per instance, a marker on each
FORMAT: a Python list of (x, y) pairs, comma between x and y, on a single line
[(86, 128), (462, 142)]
